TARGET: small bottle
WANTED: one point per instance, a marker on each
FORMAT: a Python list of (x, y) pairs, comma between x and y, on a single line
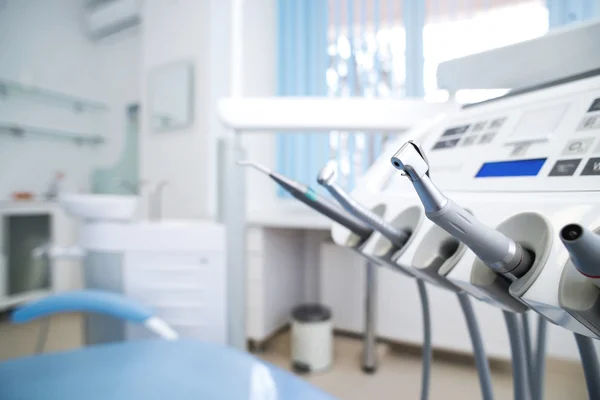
[(55, 186)]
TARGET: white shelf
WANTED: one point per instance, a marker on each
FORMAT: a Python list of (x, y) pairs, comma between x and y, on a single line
[(11, 88), (22, 131), (324, 114)]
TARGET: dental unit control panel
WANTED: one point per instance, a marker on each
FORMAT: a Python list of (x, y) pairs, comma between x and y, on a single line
[(524, 142)]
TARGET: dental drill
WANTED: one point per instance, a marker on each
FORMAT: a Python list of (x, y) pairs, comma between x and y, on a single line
[(583, 246), (327, 178), (500, 253)]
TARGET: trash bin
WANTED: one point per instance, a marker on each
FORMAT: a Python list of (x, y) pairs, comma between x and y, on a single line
[(312, 341)]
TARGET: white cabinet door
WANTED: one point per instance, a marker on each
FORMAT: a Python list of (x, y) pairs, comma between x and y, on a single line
[(185, 289), (3, 266), (342, 278)]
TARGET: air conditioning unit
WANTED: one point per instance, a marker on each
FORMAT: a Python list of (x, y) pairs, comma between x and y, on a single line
[(107, 17)]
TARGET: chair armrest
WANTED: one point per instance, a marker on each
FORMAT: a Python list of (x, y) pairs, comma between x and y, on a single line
[(94, 301)]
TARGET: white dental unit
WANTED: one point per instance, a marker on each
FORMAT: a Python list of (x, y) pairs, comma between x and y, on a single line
[(525, 162), (525, 165)]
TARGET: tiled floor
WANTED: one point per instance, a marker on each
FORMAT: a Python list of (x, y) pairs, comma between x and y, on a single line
[(399, 374)]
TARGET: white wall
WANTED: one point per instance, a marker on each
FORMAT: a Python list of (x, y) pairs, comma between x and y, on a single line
[(43, 43), (177, 31), (200, 31)]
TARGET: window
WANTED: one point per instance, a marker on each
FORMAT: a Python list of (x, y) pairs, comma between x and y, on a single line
[(390, 48), (467, 31)]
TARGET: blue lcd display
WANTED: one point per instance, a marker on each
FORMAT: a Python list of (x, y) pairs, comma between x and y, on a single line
[(511, 168)]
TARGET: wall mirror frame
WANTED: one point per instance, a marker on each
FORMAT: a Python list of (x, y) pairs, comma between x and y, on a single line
[(171, 96)]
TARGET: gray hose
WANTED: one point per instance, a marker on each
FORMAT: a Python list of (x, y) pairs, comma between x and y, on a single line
[(483, 367), (540, 359), (519, 362), (589, 360), (528, 351), (427, 350)]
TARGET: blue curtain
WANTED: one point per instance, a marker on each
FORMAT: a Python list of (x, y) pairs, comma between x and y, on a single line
[(302, 64), (563, 12)]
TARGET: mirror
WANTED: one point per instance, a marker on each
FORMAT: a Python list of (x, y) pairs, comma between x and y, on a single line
[(171, 96)]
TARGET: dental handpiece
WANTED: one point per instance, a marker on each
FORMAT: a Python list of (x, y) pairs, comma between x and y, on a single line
[(583, 246), (500, 253), (327, 179), (315, 201)]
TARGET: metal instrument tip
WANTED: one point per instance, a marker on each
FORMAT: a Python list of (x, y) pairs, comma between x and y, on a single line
[(258, 167), (328, 173)]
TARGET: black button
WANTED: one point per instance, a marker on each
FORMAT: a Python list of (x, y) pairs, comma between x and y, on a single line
[(497, 123), (592, 167), (487, 137), (479, 126), (456, 130), (565, 167), (595, 105), (468, 140), (445, 144)]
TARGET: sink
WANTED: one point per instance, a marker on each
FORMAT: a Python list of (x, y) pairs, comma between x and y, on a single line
[(100, 207), (164, 235)]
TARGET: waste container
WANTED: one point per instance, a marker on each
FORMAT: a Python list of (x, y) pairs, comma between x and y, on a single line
[(312, 341)]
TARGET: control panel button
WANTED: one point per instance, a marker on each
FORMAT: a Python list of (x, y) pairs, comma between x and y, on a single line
[(592, 167), (445, 144), (457, 130), (520, 149), (595, 106), (497, 123), (469, 140), (487, 138), (589, 122), (478, 127), (565, 167), (577, 146)]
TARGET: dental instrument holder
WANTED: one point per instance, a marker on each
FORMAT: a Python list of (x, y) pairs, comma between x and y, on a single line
[(502, 255), (435, 257), (399, 238), (579, 294), (327, 177)]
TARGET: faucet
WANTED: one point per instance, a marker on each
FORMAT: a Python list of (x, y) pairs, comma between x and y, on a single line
[(155, 208)]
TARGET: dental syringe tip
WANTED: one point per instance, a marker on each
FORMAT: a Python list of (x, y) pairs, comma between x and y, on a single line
[(258, 167)]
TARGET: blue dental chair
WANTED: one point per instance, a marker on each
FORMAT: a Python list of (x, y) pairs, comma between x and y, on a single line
[(165, 368)]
